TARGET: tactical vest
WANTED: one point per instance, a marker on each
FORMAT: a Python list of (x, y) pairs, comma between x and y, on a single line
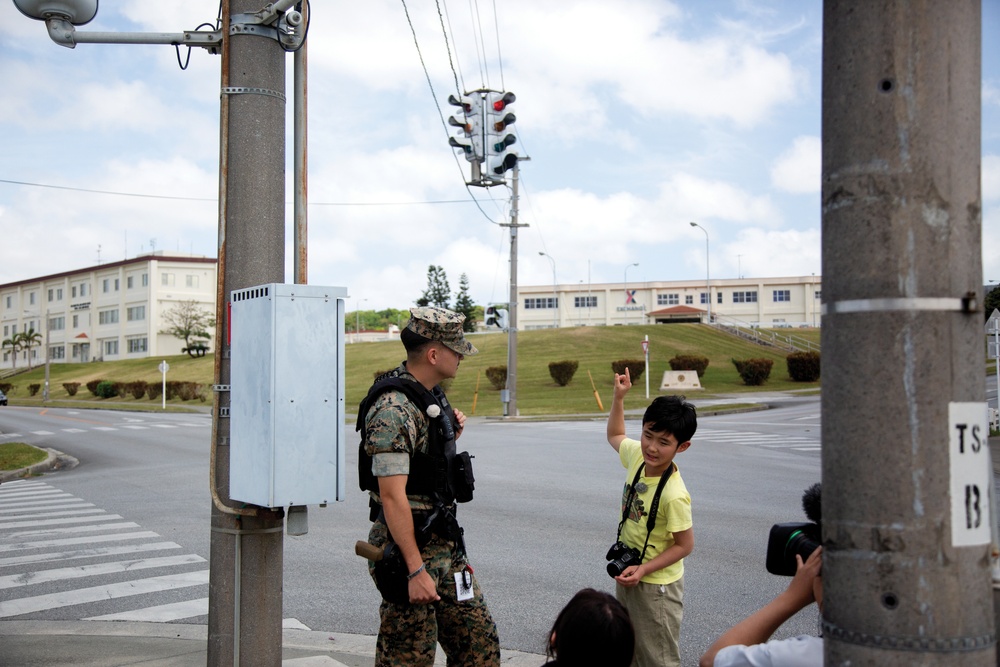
[(439, 473)]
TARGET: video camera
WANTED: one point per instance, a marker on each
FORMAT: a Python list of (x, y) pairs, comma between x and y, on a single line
[(788, 539)]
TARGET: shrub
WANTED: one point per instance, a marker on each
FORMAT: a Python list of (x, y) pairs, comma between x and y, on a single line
[(753, 371), (71, 387), (119, 388), (137, 389), (497, 375), (562, 371), (689, 362), (33, 389), (92, 386), (173, 387), (188, 390), (154, 390), (803, 366), (6, 387), (635, 367), (105, 389)]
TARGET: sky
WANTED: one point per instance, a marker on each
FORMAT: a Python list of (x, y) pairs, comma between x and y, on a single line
[(638, 116)]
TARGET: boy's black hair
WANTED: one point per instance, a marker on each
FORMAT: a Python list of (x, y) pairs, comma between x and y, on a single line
[(593, 628), (673, 415)]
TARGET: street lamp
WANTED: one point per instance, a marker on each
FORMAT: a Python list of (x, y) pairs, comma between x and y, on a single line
[(555, 294), (627, 266), (357, 319), (708, 280)]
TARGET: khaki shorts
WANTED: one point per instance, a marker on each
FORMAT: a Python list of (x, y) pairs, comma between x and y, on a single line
[(656, 611)]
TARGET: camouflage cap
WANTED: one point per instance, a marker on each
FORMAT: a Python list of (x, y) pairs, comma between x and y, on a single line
[(441, 325)]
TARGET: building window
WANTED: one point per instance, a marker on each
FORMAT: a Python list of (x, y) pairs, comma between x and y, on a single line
[(129, 283), (83, 289), (6, 328), (76, 321), (57, 352), (111, 347), (718, 297), (585, 302), (136, 313), (135, 345), (816, 295), (540, 303), (106, 285), (52, 294), (117, 283), (8, 302), (145, 280), (107, 317), (191, 281), (688, 300), (57, 323), (167, 279), (703, 298), (668, 299), (31, 299), (782, 295), (745, 297), (73, 291)]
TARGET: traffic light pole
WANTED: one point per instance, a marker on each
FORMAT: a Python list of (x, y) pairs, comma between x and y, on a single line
[(511, 407), (906, 522)]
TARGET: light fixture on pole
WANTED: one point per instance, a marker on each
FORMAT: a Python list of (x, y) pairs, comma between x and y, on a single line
[(627, 266), (708, 280), (555, 294)]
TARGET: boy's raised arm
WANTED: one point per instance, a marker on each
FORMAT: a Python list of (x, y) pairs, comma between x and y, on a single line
[(616, 418)]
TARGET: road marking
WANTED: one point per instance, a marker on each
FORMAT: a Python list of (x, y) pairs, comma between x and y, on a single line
[(112, 567), (27, 506), (42, 433), (37, 513), (135, 427), (74, 430), (100, 593), (104, 428), (55, 522), (51, 532), (163, 613), (90, 539), (89, 553)]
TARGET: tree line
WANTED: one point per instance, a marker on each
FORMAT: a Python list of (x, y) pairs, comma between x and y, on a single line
[(438, 293)]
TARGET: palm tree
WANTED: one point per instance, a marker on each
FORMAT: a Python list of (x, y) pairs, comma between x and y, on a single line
[(14, 343), (29, 339)]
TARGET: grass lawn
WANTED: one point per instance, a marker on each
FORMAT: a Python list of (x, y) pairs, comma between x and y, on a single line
[(15, 455), (537, 394)]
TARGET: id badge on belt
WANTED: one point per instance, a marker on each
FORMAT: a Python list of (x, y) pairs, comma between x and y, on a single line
[(463, 584)]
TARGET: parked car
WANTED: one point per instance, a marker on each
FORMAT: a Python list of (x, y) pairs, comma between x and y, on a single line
[(3, 398)]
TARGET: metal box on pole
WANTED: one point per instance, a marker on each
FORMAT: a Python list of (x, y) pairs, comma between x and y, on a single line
[(287, 395)]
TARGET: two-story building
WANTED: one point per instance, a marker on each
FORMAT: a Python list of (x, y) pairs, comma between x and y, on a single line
[(106, 312)]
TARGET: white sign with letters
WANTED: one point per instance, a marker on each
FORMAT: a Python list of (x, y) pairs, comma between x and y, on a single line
[(971, 474)]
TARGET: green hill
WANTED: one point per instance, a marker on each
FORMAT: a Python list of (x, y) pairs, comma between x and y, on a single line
[(593, 347)]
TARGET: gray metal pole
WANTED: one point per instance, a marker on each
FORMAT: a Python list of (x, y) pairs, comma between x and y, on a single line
[(512, 306), (901, 332), (245, 585)]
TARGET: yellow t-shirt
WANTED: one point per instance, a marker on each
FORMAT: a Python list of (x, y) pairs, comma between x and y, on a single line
[(673, 515)]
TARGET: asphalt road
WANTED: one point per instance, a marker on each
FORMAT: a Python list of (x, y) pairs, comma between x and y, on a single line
[(544, 515)]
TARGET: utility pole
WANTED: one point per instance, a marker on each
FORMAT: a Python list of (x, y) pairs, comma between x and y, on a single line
[(906, 569), (245, 585), (512, 306)]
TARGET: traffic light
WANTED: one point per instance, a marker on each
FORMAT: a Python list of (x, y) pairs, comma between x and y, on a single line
[(500, 157), (496, 317), (470, 140)]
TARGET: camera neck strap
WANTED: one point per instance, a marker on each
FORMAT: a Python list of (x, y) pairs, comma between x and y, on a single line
[(654, 507)]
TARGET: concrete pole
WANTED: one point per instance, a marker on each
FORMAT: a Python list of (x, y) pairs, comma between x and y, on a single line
[(901, 331), (245, 585), (512, 306)]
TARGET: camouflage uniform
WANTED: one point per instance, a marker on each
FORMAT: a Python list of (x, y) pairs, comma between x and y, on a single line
[(409, 633)]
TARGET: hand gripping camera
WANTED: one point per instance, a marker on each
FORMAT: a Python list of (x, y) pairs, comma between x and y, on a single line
[(621, 557), (788, 539)]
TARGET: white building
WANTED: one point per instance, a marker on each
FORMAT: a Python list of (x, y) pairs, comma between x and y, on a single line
[(764, 302), (107, 312)]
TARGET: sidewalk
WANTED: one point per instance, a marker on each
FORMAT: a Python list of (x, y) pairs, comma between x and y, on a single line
[(108, 643)]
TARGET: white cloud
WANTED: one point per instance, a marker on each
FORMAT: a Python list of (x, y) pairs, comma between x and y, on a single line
[(991, 177), (799, 169)]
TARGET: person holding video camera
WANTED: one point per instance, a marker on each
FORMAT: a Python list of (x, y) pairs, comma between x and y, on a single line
[(655, 533), (792, 549), (408, 463)]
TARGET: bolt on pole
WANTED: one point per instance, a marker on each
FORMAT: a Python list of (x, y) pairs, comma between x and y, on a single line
[(901, 336)]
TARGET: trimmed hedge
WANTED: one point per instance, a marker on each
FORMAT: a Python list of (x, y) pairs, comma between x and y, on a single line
[(33, 389), (636, 367), (563, 371), (71, 387), (497, 375), (753, 371), (689, 362), (803, 366), (105, 389)]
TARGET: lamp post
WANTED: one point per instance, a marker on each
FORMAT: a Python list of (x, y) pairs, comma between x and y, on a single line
[(708, 280), (357, 319), (555, 294), (627, 266)]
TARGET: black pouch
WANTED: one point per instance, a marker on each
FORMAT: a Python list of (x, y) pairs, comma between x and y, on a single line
[(390, 575), (463, 481)]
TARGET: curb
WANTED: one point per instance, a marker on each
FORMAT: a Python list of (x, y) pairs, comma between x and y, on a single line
[(50, 462)]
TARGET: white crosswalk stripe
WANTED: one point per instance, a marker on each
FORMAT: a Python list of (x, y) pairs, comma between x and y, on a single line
[(801, 443), (60, 555)]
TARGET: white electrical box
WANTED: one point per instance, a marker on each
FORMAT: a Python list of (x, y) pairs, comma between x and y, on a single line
[(287, 395)]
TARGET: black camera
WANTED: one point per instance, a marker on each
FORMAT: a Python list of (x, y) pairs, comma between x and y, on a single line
[(788, 539), (620, 557)]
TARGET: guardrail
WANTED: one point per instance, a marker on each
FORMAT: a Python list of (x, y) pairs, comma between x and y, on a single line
[(754, 334)]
